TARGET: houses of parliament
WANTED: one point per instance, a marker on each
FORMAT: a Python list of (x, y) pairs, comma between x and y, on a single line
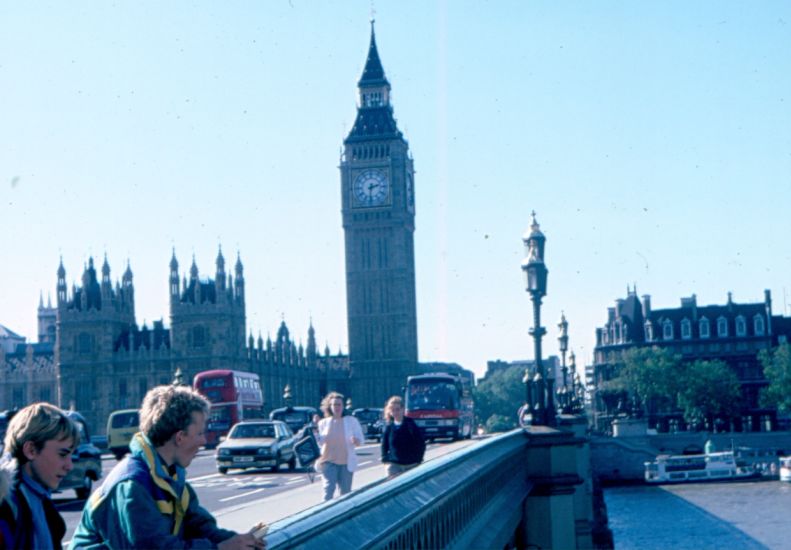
[(93, 356)]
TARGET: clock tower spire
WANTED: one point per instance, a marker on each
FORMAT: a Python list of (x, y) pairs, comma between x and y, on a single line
[(378, 208)]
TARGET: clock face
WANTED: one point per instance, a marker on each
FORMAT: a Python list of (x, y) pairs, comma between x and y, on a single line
[(370, 188)]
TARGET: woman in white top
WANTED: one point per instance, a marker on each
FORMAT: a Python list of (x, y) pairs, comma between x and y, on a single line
[(338, 436)]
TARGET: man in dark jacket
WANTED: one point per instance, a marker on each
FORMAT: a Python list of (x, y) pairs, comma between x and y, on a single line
[(402, 443)]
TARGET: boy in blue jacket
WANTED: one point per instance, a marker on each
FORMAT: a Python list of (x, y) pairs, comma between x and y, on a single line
[(146, 502)]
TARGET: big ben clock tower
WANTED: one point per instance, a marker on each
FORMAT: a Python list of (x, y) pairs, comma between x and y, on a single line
[(378, 206)]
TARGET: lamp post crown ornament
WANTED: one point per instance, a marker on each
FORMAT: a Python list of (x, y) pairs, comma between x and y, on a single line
[(178, 377), (287, 395)]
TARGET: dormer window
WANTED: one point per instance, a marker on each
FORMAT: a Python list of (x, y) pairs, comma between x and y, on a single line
[(704, 328), (758, 325), (722, 327), (686, 329), (649, 332), (667, 330), (741, 326)]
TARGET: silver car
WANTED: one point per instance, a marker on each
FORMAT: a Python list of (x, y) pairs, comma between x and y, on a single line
[(257, 444)]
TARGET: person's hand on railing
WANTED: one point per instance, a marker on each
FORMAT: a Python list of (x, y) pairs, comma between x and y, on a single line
[(244, 541)]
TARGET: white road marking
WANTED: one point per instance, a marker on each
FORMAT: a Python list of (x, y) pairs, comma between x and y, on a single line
[(209, 476), (291, 482), (226, 499), (366, 462)]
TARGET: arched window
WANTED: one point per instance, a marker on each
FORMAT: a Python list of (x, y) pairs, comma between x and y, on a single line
[(84, 343), (741, 326), (758, 325), (667, 330), (686, 329), (722, 327), (704, 328), (198, 336)]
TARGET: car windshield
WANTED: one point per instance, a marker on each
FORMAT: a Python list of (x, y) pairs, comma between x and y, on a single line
[(125, 420), (368, 416), (253, 431)]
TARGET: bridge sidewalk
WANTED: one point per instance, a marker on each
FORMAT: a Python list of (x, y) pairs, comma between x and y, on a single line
[(282, 505)]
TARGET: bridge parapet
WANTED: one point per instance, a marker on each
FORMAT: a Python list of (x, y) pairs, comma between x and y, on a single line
[(518, 489)]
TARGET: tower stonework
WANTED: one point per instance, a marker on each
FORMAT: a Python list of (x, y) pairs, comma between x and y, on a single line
[(378, 209), (91, 321), (207, 319)]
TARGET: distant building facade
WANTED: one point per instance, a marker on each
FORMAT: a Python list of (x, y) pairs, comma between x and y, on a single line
[(101, 360), (733, 333)]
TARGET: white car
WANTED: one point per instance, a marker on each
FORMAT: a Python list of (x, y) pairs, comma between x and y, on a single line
[(257, 444)]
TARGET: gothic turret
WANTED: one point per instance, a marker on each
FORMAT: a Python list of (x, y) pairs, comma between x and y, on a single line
[(219, 279), (61, 283), (239, 281), (375, 115), (174, 277)]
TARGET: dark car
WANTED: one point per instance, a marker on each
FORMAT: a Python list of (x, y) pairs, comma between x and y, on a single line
[(257, 444), (5, 418), (295, 417), (372, 421), (87, 460)]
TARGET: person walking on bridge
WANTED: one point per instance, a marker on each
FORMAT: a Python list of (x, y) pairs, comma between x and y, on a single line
[(338, 435), (403, 445)]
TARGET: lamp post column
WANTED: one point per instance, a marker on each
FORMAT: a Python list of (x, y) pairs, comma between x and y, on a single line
[(536, 282)]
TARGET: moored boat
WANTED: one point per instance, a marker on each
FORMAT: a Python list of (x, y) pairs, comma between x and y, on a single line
[(785, 468), (719, 466)]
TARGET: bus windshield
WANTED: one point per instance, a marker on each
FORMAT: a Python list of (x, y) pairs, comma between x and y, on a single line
[(432, 395)]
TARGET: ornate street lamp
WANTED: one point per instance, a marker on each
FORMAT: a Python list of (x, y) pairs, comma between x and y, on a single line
[(287, 396), (543, 411), (178, 378), (578, 389), (563, 341)]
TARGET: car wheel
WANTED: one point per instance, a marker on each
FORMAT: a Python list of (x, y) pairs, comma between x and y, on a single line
[(292, 464), (85, 491), (276, 467), (223, 471)]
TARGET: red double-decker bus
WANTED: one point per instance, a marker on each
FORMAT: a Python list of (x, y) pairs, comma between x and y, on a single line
[(440, 405), (234, 396)]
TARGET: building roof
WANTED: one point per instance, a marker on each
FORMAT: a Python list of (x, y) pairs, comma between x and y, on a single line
[(6, 332), (373, 73)]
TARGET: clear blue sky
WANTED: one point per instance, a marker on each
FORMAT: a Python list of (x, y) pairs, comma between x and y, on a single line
[(653, 139)]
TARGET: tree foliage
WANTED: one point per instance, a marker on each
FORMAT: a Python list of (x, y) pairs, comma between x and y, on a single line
[(710, 389), (653, 376), (498, 398), (659, 381), (777, 370)]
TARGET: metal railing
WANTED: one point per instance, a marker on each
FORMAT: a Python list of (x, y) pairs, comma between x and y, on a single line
[(471, 498)]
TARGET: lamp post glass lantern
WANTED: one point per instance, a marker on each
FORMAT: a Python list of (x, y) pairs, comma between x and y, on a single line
[(536, 272), (563, 341)]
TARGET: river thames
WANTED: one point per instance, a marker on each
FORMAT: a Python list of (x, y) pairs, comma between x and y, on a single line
[(750, 515)]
